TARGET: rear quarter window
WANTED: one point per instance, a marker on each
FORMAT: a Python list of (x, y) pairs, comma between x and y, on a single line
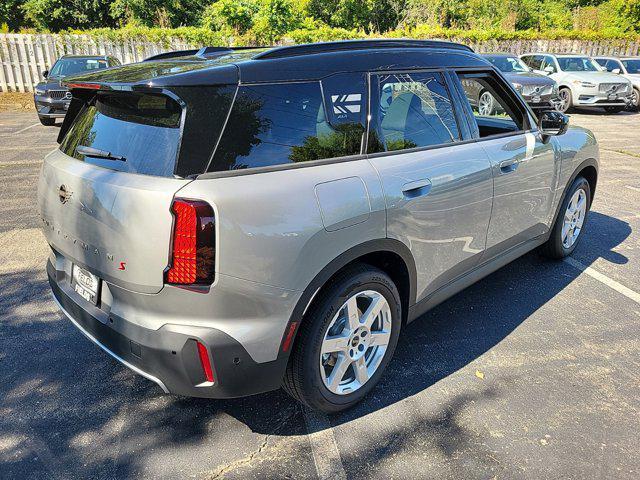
[(279, 124), (142, 128)]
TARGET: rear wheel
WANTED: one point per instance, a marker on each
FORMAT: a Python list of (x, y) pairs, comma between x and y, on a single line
[(47, 122), (614, 109), (565, 100), (346, 340), (570, 222)]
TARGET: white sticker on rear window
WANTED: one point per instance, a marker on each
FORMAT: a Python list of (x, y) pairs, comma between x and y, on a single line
[(349, 103)]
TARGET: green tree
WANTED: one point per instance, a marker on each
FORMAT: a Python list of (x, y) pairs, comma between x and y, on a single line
[(56, 15), (171, 13), (12, 14), (236, 15), (275, 18)]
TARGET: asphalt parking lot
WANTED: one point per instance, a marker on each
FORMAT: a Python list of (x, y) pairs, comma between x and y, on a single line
[(534, 372)]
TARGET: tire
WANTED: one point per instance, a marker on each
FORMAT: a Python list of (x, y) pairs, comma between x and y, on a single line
[(614, 109), (309, 369), (47, 122), (635, 104), (486, 104), (557, 247), (566, 100)]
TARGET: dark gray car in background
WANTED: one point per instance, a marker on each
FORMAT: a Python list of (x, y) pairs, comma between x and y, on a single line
[(52, 99), (538, 90)]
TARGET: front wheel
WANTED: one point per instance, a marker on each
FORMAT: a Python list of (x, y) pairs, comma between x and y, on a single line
[(345, 341), (565, 100), (570, 222), (486, 104), (635, 100)]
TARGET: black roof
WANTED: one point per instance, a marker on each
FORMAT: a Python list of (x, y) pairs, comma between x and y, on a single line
[(220, 65)]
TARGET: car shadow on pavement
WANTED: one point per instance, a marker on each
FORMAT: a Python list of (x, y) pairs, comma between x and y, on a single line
[(65, 406)]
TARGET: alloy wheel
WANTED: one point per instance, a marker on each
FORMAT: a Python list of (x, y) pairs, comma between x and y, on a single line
[(485, 104), (563, 104), (574, 218), (355, 342)]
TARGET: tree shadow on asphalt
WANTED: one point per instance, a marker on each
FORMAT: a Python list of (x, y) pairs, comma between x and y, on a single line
[(66, 407)]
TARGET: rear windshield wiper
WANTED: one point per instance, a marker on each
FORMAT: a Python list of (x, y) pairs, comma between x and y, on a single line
[(97, 153)]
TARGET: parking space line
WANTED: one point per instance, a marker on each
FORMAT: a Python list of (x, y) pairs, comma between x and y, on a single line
[(326, 455), (618, 287), (26, 128)]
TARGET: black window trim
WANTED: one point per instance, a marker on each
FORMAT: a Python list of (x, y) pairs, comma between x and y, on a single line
[(448, 86)]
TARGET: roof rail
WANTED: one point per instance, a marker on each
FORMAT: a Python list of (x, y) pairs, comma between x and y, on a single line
[(206, 51), (177, 53), (311, 48)]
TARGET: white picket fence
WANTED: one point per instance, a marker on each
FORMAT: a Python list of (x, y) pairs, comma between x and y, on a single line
[(23, 57)]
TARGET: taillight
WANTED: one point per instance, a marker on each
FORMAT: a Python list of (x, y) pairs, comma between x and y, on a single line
[(193, 252)]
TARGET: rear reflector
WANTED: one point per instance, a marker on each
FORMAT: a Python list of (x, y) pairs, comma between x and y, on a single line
[(287, 340), (193, 251), (205, 362)]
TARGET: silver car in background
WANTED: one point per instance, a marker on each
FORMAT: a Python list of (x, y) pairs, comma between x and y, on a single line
[(627, 67), (581, 81), (226, 222)]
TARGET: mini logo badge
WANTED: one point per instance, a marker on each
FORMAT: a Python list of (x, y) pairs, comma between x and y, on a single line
[(63, 194)]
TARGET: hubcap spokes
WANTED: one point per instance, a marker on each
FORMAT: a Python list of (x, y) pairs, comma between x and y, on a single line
[(574, 218), (485, 104), (355, 342)]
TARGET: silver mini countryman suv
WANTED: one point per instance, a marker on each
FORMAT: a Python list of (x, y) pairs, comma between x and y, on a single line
[(229, 221)]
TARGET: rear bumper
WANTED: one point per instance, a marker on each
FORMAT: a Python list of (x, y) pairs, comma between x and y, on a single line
[(168, 356)]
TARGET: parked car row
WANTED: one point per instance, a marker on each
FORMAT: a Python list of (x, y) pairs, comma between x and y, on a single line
[(545, 81), (567, 81)]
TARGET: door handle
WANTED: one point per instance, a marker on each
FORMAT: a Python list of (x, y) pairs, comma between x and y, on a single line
[(417, 188), (508, 166)]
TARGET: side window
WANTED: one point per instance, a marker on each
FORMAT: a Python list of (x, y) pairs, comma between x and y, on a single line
[(411, 110), (549, 63), (292, 122), (495, 110), (533, 61), (602, 62), (613, 64)]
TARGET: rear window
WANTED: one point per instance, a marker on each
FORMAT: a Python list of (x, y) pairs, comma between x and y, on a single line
[(291, 123), (142, 130)]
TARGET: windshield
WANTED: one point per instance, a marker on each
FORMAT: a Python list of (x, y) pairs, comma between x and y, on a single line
[(71, 66), (632, 66), (577, 64), (508, 64)]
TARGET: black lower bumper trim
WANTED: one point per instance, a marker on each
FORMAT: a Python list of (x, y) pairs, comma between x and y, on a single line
[(168, 356)]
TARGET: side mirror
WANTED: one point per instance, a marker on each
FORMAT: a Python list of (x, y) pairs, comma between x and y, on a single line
[(551, 123), (616, 71), (549, 69), (45, 74)]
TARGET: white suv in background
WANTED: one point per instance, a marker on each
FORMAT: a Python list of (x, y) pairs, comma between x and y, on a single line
[(582, 82), (629, 68)]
